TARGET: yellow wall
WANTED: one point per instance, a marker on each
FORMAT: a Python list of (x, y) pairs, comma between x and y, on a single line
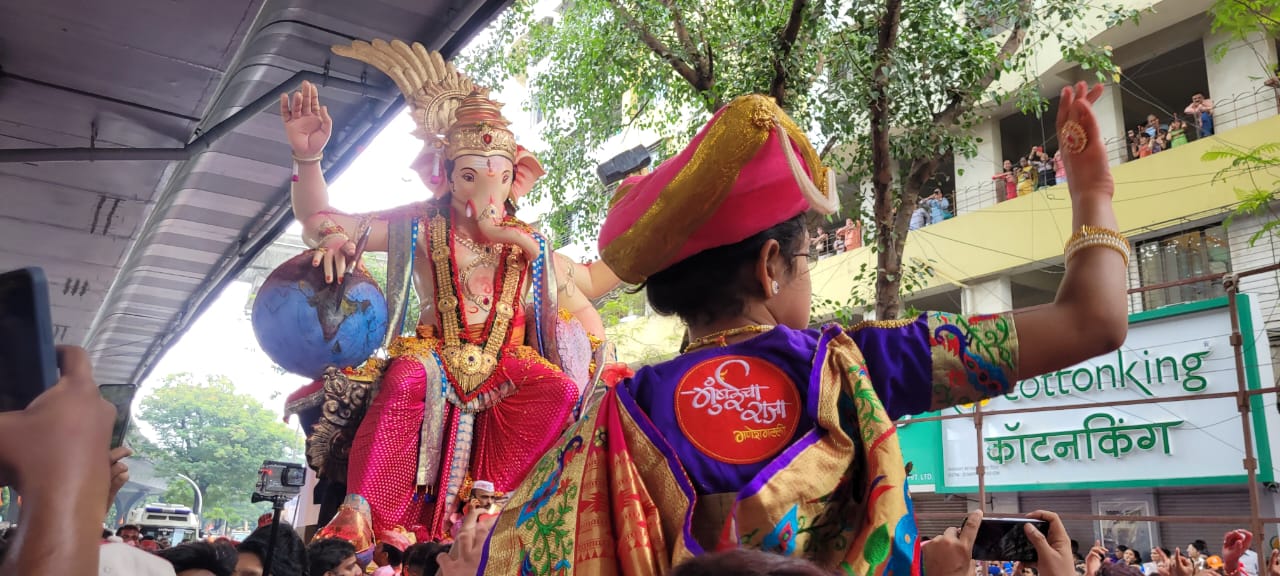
[(1151, 194)]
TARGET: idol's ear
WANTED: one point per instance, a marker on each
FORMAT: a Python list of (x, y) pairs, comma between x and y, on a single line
[(430, 167), (528, 170)]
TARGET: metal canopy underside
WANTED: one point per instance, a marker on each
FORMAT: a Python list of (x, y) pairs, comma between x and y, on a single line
[(137, 242)]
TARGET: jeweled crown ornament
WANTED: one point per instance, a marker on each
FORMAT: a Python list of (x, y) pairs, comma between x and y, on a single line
[(479, 130)]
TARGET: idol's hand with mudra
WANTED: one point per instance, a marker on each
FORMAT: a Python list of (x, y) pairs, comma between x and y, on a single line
[(308, 126)]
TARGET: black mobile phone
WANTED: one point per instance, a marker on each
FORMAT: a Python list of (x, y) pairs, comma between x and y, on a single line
[(28, 361), (1005, 539), (120, 396)]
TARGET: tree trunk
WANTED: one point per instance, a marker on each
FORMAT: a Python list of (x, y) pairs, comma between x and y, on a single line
[(889, 243)]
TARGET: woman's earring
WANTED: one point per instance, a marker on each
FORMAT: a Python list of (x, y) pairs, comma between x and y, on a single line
[(775, 286)]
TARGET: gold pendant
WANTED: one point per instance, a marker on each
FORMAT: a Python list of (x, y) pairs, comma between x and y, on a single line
[(469, 365)]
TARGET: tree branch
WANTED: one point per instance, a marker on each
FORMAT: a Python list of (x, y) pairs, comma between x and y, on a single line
[(700, 62), (827, 148), (786, 41), (700, 83), (961, 102)]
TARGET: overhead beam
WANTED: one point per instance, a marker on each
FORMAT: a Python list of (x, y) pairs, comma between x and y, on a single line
[(203, 142)]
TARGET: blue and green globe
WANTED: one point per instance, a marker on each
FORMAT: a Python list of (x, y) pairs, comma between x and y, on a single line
[(302, 327)]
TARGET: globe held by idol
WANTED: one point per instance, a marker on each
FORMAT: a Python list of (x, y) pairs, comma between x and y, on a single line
[(303, 328)]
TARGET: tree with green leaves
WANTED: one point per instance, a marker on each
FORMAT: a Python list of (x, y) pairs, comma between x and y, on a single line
[(853, 73), (217, 437)]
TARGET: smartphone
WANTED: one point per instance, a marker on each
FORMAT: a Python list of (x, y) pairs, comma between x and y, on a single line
[(120, 396), (28, 361), (1001, 539)]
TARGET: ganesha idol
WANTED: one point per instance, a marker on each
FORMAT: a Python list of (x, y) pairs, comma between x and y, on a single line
[(507, 340)]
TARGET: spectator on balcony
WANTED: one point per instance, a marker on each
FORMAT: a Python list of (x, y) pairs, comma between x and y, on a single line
[(1177, 132), (819, 240), (919, 218), (1146, 146), (1026, 176), (1153, 126), (1010, 179), (938, 206), (1201, 110), (1044, 165), (851, 234)]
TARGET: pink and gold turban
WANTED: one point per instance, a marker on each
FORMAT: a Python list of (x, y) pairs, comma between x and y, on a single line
[(749, 169)]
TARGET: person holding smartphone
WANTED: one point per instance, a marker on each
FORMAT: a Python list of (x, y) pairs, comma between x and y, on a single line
[(56, 453)]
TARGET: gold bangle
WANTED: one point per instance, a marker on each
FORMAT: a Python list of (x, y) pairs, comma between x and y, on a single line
[(309, 160), (325, 241), (1120, 246), (1087, 230)]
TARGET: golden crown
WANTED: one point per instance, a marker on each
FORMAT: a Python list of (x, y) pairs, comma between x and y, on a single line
[(479, 130)]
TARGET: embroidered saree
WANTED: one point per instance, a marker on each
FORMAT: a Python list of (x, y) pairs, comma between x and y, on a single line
[(785, 442)]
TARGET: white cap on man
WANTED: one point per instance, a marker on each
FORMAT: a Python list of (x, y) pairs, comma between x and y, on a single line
[(483, 485)]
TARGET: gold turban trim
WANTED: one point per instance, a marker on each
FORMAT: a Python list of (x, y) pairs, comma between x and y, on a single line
[(654, 238)]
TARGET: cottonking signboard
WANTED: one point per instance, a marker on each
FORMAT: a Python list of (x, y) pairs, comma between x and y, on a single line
[(1181, 352)]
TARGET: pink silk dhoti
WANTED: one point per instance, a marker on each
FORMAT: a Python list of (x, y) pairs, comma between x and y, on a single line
[(508, 437)]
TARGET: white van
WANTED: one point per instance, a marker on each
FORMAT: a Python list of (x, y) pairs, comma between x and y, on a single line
[(169, 523)]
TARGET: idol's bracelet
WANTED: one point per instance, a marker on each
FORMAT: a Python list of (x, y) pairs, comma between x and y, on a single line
[(309, 159), (1096, 237), (327, 230)]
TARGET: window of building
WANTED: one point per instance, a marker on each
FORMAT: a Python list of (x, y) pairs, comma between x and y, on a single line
[(1181, 256)]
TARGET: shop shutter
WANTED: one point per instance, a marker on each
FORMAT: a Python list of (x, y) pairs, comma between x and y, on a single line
[(953, 506), (1074, 502), (1200, 501)]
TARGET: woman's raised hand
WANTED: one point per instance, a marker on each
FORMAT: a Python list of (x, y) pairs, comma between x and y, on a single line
[(306, 122), (1084, 152)]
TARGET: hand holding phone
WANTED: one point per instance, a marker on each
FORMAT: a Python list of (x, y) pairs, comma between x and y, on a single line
[(949, 554), (1006, 539)]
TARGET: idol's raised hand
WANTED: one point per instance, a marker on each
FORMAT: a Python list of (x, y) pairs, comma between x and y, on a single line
[(306, 122)]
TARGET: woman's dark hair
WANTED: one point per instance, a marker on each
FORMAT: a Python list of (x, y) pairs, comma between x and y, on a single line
[(216, 557), (327, 554), (1201, 547), (422, 557), (289, 557), (717, 283), (744, 562)]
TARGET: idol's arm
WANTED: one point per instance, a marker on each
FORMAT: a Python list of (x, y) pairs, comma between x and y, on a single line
[(592, 280), (1089, 317), (307, 125)]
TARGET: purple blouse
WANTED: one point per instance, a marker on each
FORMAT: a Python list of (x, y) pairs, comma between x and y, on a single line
[(916, 365)]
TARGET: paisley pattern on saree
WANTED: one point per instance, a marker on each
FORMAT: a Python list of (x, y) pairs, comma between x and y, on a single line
[(974, 357)]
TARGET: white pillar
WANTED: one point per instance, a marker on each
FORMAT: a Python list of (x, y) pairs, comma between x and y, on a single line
[(987, 297), (1109, 110), (1235, 81), (974, 188)]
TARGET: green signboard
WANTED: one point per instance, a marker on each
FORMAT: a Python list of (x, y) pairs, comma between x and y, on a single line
[(922, 450)]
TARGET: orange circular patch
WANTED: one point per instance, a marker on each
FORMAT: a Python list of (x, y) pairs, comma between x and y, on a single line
[(737, 409)]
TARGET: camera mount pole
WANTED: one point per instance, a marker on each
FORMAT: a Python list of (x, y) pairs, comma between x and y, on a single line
[(277, 506)]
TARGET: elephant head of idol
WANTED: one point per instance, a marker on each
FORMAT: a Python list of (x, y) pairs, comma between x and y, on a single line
[(477, 162)]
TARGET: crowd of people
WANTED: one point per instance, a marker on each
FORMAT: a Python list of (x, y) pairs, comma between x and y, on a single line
[(845, 238), (1034, 171), (1038, 169), (1156, 135)]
